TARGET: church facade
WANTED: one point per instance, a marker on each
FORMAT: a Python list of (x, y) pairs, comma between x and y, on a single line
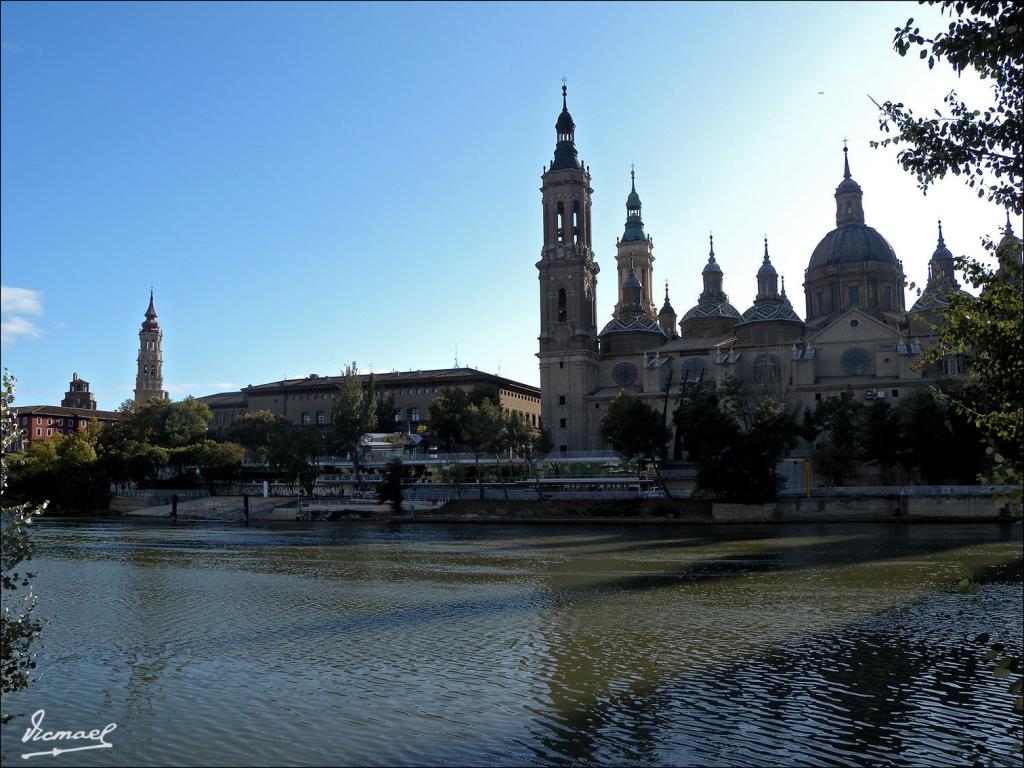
[(856, 334)]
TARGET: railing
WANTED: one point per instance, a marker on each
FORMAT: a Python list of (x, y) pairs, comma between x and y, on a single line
[(157, 493)]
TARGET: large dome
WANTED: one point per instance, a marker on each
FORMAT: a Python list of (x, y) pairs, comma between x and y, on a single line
[(852, 243)]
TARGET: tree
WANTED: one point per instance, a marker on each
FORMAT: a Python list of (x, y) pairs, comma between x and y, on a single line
[(219, 462), (882, 440), (736, 442), (354, 412), (482, 427), (386, 412), (706, 429), (257, 432), (171, 424), (834, 429), (982, 144), (391, 489), (635, 430), (20, 630), (294, 450), (446, 414)]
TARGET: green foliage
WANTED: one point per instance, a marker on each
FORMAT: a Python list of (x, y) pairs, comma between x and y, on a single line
[(983, 144), (736, 441), (63, 470), (20, 629), (446, 413), (834, 430), (294, 450), (391, 489), (354, 412), (988, 327), (386, 412), (257, 432), (171, 424), (219, 462), (632, 428), (482, 428)]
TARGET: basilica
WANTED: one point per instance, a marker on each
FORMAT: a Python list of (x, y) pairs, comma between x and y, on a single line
[(856, 334)]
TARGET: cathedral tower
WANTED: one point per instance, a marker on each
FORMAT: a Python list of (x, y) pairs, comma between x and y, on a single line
[(149, 380), (635, 250), (568, 285)]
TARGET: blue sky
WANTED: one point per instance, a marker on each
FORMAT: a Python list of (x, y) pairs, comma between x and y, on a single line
[(306, 185)]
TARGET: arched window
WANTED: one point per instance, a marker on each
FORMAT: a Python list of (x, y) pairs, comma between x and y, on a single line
[(561, 222), (767, 370), (575, 222), (561, 305), (695, 369)]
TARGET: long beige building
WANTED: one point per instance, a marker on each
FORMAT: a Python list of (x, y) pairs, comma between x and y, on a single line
[(307, 401), (856, 334)]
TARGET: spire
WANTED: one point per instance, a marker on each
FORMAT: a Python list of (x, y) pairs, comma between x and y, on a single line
[(565, 132), (632, 177), (634, 224), (783, 286), (767, 278), (942, 243), (712, 265), (667, 308), (849, 205), (150, 323)]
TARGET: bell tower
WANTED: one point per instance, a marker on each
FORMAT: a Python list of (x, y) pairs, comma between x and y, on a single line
[(149, 379), (568, 286)]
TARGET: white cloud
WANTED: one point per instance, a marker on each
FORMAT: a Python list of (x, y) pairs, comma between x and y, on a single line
[(15, 304)]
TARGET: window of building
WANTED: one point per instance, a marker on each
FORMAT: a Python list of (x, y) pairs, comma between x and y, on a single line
[(563, 448), (399, 415), (817, 396), (767, 370), (533, 419), (887, 297), (39, 419), (562, 312), (561, 399), (60, 421), (305, 420), (49, 422), (895, 393), (855, 362), (320, 418), (562, 423), (39, 431), (854, 295), (561, 364), (414, 415), (49, 432), (597, 405)]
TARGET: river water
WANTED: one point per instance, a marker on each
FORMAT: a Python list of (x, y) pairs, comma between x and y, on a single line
[(364, 644)]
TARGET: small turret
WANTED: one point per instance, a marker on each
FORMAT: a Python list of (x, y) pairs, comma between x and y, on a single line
[(565, 132), (849, 196), (667, 317)]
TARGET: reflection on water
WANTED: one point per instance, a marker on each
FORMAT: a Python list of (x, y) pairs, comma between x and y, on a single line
[(466, 644)]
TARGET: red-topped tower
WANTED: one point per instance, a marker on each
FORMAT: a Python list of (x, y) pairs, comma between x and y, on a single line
[(149, 380)]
